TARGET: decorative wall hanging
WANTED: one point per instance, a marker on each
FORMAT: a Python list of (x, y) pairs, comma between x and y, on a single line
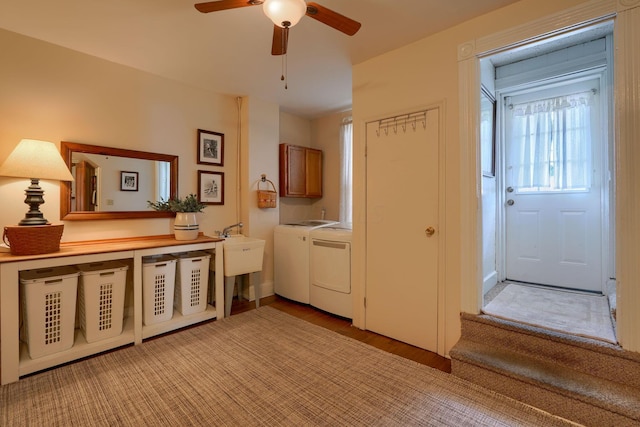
[(210, 148), (128, 181), (211, 188), (267, 198)]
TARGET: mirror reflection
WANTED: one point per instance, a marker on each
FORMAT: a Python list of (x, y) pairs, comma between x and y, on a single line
[(115, 183), (111, 183)]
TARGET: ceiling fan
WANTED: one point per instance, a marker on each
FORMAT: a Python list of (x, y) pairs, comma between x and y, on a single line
[(285, 14)]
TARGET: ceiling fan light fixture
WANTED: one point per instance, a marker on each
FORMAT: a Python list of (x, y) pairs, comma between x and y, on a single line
[(284, 13)]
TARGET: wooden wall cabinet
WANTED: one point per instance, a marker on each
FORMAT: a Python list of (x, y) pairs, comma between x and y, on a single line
[(300, 171)]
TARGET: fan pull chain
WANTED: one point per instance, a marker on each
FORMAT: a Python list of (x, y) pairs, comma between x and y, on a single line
[(284, 71), (285, 37)]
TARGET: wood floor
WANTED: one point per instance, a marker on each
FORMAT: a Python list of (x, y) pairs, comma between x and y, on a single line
[(343, 327)]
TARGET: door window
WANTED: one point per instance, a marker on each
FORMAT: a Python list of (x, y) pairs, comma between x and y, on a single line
[(551, 143)]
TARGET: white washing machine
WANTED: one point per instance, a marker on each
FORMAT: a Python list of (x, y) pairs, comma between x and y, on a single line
[(291, 258), (330, 271)]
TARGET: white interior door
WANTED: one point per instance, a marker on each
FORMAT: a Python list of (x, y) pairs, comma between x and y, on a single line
[(402, 229), (554, 188)]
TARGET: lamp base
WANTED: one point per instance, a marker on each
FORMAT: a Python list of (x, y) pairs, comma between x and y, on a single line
[(33, 240), (34, 198)]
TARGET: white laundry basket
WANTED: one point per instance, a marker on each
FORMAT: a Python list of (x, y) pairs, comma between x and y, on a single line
[(48, 309), (158, 284), (101, 299), (192, 277)]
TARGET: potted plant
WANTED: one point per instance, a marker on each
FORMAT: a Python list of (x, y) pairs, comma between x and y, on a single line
[(185, 226)]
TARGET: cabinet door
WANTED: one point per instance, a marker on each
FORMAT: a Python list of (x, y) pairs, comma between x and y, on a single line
[(292, 171), (314, 172)]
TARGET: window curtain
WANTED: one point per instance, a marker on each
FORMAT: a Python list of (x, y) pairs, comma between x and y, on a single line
[(551, 143), (346, 174)]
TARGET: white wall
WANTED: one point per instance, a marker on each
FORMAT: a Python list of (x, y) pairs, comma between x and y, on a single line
[(297, 131), (489, 203), (322, 133), (423, 73), (259, 156), (56, 94), (325, 136)]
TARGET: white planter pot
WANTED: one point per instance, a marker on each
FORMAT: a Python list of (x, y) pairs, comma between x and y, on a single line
[(186, 226)]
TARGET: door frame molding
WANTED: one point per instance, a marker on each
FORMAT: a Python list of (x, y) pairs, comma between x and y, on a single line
[(627, 71)]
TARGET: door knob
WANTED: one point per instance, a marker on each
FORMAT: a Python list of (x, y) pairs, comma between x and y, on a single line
[(509, 189), (430, 231), (510, 202)]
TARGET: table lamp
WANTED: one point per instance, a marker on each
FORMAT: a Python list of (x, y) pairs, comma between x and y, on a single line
[(35, 160)]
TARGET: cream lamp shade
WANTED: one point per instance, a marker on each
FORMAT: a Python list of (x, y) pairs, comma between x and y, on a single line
[(284, 13), (35, 160)]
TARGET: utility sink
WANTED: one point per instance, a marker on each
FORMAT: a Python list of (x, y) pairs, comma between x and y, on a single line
[(242, 255)]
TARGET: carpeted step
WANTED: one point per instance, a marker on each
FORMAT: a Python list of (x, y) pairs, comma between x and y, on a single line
[(597, 358), (559, 390), (593, 383)]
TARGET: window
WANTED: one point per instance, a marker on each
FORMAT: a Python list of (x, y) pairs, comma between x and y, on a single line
[(550, 143), (346, 171), (163, 172)]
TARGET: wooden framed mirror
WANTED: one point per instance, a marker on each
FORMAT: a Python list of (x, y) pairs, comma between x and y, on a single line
[(98, 191)]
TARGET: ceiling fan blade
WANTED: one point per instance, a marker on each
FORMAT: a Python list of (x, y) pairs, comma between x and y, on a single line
[(215, 6), (280, 40), (332, 19)]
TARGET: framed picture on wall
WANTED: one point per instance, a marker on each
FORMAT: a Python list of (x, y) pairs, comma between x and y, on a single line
[(210, 148), (487, 133), (211, 187), (128, 181)]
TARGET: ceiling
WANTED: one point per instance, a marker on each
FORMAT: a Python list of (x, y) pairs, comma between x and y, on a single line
[(230, 51)]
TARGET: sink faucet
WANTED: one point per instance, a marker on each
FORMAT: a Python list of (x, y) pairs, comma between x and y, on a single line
[(225, 232)]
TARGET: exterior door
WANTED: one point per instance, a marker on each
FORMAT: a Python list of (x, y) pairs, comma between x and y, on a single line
[(554, 188), (402, 230)]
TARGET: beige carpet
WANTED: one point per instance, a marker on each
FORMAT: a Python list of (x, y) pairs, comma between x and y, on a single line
[(262, 367), (564, 311)]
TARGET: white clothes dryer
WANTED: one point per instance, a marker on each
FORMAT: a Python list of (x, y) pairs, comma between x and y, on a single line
[(330, 271), (291, 258)]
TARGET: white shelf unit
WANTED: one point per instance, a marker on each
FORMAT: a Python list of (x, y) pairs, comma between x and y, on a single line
[(14, 356)]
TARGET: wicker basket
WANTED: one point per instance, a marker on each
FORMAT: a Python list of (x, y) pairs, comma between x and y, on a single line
[(33, 239), (267, 198)]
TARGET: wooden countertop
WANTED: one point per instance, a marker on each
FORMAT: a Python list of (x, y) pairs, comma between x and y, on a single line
[(109, 245)]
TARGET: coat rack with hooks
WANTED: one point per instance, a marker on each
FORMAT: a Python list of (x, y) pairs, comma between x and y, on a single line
[(411, 119)]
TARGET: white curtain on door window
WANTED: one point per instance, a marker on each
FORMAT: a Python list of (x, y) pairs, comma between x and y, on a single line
[(346, 182), (551, 143)]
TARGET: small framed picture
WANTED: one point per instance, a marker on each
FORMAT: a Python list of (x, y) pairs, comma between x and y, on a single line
[(210, 148), (211, 187), (128, 181)]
